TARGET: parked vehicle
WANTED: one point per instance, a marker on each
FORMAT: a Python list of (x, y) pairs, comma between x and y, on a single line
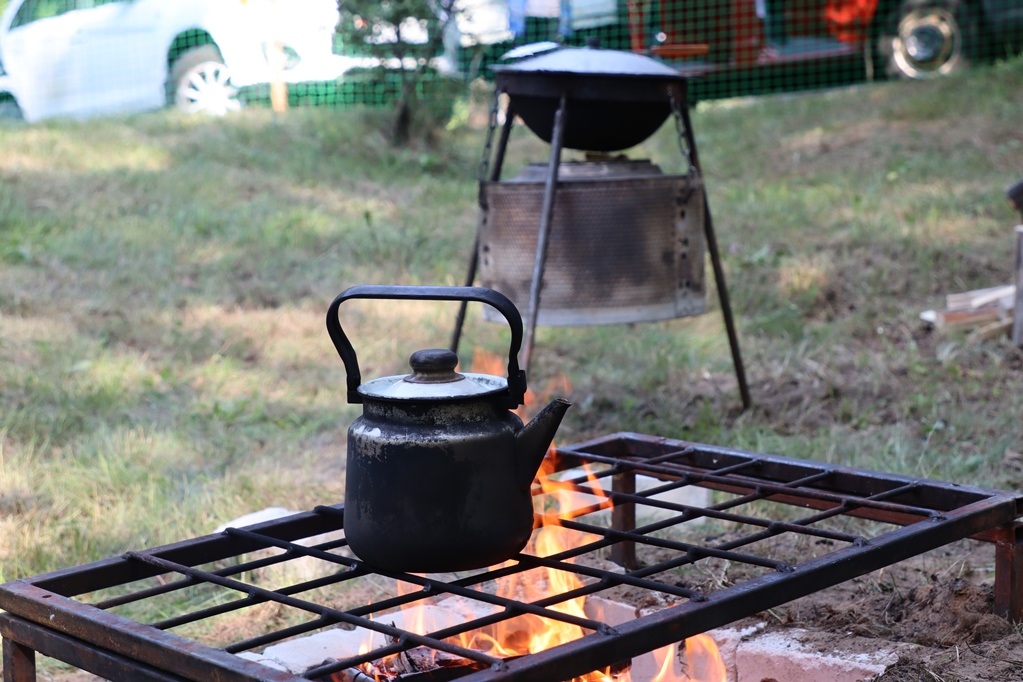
[(9, 108), (89, 57), (924, 38), (734, 47), (904, 38)]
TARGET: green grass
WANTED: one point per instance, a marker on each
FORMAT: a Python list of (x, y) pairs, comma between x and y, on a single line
[(164, 365)]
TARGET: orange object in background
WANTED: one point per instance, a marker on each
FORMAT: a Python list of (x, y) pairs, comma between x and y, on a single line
[(637, 24), (748, 36), (849, 20), (735, 30)]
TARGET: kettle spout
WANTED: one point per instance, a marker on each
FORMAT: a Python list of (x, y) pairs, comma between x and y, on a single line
[(533, 439)]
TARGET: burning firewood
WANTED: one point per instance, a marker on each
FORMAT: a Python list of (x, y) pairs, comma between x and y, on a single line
[(350, 675)]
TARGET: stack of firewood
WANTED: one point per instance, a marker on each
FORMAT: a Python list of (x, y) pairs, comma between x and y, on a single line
[(990, 312)]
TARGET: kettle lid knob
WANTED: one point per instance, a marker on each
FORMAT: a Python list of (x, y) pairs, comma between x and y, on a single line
[(433, 366)]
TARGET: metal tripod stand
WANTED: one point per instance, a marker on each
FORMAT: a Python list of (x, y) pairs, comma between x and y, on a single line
[(490, 171)]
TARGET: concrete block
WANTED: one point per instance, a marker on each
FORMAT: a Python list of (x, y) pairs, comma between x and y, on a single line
[(748, 654), (252, 518), (420, 619), (783, 657), (299, 655), (649, 666), (467, 609), (691, 495), (262, 660), (292, 571), (728, 641)]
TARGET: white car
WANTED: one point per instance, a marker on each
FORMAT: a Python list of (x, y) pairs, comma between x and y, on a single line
[(84, 58)]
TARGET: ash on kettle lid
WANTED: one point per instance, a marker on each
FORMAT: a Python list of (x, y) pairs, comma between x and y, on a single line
[(433, 378)]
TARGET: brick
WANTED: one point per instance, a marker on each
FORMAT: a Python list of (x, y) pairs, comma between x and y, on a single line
[(782, 656), (299, 655)]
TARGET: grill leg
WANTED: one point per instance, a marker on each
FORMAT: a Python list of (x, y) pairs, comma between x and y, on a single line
[(623, 517), (1009, 573), (19, 662)]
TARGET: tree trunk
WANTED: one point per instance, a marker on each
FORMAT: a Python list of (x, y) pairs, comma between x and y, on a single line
[(401, 127)]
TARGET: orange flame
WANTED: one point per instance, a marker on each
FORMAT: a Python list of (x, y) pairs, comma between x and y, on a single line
[(530, 633), (703, 658), (703, 662), (665, 657), (485, 362)]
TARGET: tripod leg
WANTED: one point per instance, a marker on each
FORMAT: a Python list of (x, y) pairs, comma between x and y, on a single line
[(726, 307), (456, 335), (495, 175), (719, 271), (557, 138)]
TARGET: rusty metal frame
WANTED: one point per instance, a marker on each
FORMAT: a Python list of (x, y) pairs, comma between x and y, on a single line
[(43, 614)]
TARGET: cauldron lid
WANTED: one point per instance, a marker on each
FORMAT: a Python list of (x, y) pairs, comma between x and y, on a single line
[(591, 61)]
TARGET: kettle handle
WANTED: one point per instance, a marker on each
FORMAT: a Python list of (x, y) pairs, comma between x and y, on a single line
[(516, 376)]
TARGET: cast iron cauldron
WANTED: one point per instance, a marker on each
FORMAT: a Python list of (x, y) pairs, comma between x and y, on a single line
[(615, 99), (439, 470)]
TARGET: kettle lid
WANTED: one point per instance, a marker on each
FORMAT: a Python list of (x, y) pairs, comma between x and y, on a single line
[(433, 378)]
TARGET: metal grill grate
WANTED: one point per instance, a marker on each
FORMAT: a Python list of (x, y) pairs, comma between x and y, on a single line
[(848, 521)]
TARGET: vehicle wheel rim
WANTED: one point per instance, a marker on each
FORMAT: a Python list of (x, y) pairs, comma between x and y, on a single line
[(207, 89), (928, 43)]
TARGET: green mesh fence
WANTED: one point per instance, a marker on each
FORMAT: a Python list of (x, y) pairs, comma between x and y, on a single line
[(759, 46), (88, 57)]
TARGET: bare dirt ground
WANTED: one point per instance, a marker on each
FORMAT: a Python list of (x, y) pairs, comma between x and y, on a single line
[(934, 611), (941, 602)]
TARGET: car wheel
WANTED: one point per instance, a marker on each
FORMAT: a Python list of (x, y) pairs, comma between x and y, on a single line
[(200, 82), (928, 38), (10, 111)]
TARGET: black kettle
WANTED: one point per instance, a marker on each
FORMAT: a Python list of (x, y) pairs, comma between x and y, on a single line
[(439, 469)]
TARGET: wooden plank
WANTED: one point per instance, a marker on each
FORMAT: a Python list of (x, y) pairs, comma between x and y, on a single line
[(991, 331), (966, 300), (680, 50), (947, 320), (1006, 292)]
